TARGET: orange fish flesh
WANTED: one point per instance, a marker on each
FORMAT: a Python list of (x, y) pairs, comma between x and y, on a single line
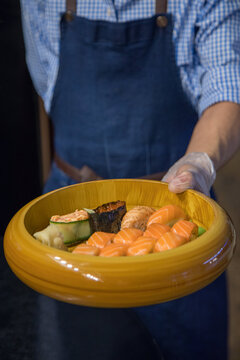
[(113, 250), (127, 236), (168, 241), (185, 228), (84, 249), (142, 246), (167, 215), (156, 230), (100, 239)]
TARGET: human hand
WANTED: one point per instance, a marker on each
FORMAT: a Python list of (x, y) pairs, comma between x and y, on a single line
[(193, 171), (88, 174)]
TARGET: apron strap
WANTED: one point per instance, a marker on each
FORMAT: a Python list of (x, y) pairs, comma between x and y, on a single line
[(160, 6), (71, 6)]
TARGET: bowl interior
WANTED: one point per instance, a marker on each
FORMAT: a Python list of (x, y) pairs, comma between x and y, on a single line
[(134, 192)]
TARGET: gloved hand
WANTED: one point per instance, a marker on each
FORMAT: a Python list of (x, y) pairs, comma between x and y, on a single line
[(193, 171)]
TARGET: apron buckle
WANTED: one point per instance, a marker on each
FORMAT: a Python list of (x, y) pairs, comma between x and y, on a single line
[(69, 15), (162, 21)]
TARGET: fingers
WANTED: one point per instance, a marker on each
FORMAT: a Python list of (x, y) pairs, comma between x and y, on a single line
[(192, 171), (182, 182), (88, 174)]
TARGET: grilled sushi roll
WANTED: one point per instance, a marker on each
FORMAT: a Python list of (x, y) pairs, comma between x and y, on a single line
[(66, 230), (100, 239), (156, 230), (137, 217), (168, 241), (167, 215), (108, 217), (185, 228), (127, 236), (142, 246), (113, 250), (84, 249)]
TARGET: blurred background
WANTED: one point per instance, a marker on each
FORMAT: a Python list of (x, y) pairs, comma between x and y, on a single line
[(25, 159)]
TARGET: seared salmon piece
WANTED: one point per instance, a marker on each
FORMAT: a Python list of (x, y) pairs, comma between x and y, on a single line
[(156, 230), (137, 217), (77, 215), (167, 215), (168, 241), (100, 239), (142, 246), (185, 228), (84, 249), (113, 250), (127, 236)]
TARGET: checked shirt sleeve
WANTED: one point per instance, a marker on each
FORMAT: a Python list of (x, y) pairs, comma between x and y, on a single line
[(217, 44)]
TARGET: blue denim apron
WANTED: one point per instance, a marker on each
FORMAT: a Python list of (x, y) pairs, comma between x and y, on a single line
[(119, 108)]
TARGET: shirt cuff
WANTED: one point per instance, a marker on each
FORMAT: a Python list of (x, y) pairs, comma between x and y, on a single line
[(220, 84)]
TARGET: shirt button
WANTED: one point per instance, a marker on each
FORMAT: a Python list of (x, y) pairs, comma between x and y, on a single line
[(162, 21)]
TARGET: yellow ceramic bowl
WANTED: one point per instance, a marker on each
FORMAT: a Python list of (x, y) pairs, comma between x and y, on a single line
[(122, 281)]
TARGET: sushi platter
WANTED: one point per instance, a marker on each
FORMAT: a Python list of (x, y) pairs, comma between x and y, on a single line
[(107, 254)]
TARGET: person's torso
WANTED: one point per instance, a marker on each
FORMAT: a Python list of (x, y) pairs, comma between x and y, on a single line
[(41, 20)]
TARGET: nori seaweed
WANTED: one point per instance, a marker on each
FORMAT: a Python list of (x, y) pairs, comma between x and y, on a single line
[(107, 220)]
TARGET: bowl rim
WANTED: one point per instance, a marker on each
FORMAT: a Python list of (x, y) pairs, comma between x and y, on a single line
[(219, 219)]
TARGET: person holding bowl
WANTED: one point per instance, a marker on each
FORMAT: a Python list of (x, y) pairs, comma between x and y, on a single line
[(134, 89)]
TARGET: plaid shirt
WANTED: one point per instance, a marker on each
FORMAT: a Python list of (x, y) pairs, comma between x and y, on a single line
[(206, 38)]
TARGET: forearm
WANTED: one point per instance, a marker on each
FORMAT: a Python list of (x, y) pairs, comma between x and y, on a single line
[(217, 133)]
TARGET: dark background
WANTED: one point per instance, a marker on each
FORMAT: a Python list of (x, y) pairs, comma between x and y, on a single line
[(20, 178), (19, 140)]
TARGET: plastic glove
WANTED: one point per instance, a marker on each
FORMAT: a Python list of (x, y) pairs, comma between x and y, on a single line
[(193, 171)]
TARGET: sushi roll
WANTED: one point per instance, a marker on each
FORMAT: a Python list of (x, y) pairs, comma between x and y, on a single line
[(127, 236), (167, 215), (185, 228), (142, 246), (168, 241), (137, 217), (65, 230)]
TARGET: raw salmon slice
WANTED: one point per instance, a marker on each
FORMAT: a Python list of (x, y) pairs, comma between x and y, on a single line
[(168, 241), (156, 230), (84, 249), (185, 228), (113, 250), (127, 236), (167, 215), (100, 239), (142, 246)]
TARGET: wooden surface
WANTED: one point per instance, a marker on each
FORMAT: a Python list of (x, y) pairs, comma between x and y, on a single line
[(227, 187)]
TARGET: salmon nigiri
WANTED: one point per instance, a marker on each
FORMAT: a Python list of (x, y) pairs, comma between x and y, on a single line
[(167, 215), (142, 246), (156, 230), (185, 228), (100, 239), (113, 250), (168, 241), (84, 249), (127, 236)]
